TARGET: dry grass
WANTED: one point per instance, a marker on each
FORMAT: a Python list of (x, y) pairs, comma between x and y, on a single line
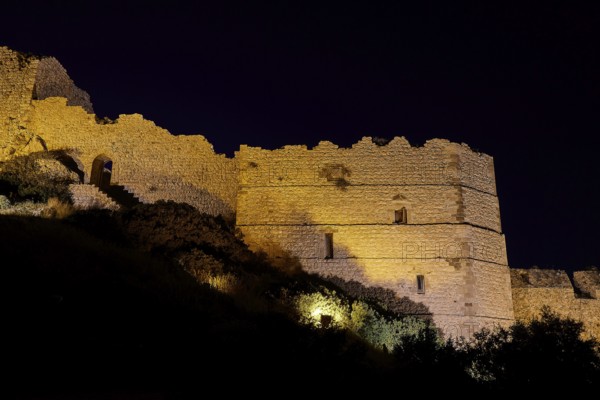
[(57, 209)]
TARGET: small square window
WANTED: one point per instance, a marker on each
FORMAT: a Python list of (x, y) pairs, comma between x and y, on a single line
[(420, 284), (400, 216)]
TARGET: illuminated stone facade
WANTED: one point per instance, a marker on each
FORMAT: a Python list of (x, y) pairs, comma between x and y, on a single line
[(290, 200), (422, 223), (533, 289), (146, 159)]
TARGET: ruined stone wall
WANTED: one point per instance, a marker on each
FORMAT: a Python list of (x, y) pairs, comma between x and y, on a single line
[(17, 78), (291, 197), (52, 80), (533, 289), (147, 159), (588, 283)]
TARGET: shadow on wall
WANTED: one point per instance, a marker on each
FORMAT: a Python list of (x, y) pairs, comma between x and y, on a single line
[(153, 186), (69, 162), (344, 272), (41, 175), (161, 187), (386, 297)]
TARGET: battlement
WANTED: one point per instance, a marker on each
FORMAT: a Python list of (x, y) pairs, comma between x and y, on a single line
[(440, 182), (437, 162)]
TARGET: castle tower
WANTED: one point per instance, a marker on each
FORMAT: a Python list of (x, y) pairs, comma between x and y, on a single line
[(422, 223)]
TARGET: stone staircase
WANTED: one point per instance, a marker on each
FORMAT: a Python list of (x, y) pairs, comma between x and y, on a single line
[(87, 197), (120, 195)]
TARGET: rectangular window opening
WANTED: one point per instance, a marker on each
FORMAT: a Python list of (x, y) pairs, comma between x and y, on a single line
[(400, 216), (420, 284), (329, 245)]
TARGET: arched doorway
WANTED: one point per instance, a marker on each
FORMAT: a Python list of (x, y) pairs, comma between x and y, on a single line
[(101, 171)]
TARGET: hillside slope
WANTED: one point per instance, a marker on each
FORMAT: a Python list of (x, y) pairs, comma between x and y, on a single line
[(161, 301), (97, 301)]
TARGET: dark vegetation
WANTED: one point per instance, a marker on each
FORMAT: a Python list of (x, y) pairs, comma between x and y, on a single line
[(97, 303), (380, 141), (164, 299), (39, 176), (25, 58), (104, 120)]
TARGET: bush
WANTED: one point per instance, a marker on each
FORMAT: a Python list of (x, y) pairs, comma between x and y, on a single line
[(382, 330), (4, 202), (39, 176), (547, 350), (57, 209), (388, 332)]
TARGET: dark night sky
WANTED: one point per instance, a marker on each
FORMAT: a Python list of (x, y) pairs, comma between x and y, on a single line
[(521, 84)]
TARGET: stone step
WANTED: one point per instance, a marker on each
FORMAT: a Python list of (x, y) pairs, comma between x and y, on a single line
[(90, 197), (120, 195)]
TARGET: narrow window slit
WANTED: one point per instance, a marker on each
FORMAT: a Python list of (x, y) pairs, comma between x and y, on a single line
[(328, 245), (420, 284)]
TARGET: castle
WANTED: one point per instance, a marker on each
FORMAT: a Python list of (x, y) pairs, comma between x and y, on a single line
[(422, 223)]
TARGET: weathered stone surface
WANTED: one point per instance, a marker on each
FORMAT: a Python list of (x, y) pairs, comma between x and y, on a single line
[(146, 159), (52, 80), (533, 289), (290, 198), (588, 282), (88, 197), (534, 277), (17, 77)]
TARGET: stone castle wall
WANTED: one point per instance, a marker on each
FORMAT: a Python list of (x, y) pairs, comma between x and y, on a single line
[(534, 288), (42, 109), (17, 78), (147, 159), (286, 200), (290, 198), (52, 80)]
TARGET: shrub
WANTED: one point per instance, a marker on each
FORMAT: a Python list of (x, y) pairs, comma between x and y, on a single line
[(4, 202), (546, 350), (380, 141), (382, 330), (57, 209), (311, 308), (387, 332), (39, 176)]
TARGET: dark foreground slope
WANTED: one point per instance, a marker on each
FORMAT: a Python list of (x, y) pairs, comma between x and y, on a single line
[(92, 312), (119, 304)]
